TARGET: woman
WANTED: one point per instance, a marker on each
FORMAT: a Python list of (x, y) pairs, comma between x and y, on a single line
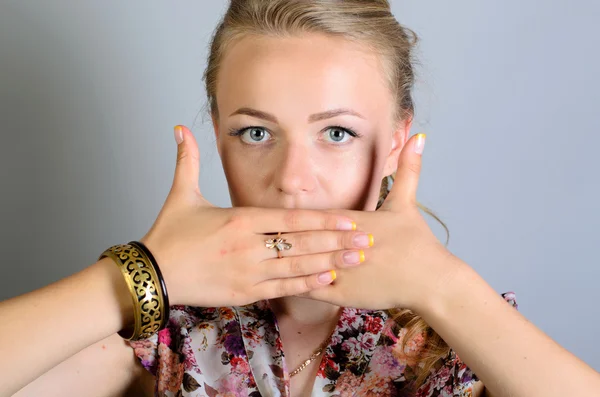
[(311, 107)]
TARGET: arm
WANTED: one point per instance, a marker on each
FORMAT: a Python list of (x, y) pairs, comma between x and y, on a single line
[(43, 328), (107, 368), (507, 352)]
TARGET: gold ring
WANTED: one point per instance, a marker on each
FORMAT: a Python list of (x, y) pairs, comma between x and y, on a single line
[(278, 243)]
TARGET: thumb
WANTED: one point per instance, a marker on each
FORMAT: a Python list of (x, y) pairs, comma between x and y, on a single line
[(406, 182), (187, 168)]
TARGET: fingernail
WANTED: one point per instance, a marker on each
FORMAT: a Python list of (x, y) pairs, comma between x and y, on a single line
[(420, 143), (327, 277), (354, 257), (363, 240), (346, 224), (178, 134)]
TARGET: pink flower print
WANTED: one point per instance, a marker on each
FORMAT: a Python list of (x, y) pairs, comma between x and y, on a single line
[(384, 364), (336, 339), (278, 344), (448, 391), (347, 384), (170, 370), (327, 362), (511, 298), (164, 336), (373, 324), (388, 331), (145, 350), (233, 385), (240, 365), (375, 386), (355, 346), (413, 347), (367, 341), (352, 346), (425, 391), (349, 320), (189, 361), (252, 335), (440, 378)]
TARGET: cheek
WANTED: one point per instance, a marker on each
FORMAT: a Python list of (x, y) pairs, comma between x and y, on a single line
[(353, 181), (345, 175), (244, 176), (349, 179)]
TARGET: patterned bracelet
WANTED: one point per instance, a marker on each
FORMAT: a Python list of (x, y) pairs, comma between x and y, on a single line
[(147, 288)]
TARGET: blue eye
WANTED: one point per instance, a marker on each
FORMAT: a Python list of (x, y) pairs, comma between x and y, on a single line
[(339, 134), (253, 135)]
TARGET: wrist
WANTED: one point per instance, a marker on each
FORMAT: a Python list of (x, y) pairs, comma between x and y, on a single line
[(450, 278), (146, 287), (167, 275), (122, 300)]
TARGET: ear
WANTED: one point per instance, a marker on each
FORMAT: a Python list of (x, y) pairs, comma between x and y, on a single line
[(399, 139)]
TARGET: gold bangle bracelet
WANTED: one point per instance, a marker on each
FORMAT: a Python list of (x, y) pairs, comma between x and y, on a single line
[(140, 275)]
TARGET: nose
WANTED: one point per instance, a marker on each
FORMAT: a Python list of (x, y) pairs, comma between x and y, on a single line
[(295, 174)]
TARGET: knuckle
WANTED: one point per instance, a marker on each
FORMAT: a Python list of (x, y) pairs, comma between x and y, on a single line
[(308, 284), (282, 288), (181, 156), (292, 219), (415, 167), (335, 260), (237, 221), (295, 266), (344, 240), (302, 242), (329, 222)]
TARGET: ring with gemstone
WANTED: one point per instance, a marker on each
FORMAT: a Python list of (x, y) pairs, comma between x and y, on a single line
[(278, 243)]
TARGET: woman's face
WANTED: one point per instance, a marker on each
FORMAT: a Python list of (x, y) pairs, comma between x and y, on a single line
[(305, 122)]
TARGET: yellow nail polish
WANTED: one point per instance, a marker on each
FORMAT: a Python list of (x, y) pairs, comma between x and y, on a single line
[(353, 225), (178, 134), (362, 256), (420, 143), (371, 240), (333, 275)]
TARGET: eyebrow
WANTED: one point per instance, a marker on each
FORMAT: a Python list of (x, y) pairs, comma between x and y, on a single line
[(311, 119)]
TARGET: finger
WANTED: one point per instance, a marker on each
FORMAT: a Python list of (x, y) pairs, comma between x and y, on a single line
[(269, 220), (187, 168), (304, 265), (271, 289), (314, 242), (406, 182)]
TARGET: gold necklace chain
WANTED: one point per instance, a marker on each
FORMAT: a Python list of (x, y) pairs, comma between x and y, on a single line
[(312, 357)]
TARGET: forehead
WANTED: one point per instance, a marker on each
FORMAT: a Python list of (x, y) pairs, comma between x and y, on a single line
[(304, 74)]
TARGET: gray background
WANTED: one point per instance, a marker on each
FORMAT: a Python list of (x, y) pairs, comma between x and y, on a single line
[(508, 90)]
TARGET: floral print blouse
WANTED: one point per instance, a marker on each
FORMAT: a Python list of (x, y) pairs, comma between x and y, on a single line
[(237, 352)]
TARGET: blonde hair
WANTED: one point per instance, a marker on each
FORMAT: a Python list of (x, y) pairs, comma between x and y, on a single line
[(371, 23)]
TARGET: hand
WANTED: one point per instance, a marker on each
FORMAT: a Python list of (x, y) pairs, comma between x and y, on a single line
[(213, 257), (407, 264)]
